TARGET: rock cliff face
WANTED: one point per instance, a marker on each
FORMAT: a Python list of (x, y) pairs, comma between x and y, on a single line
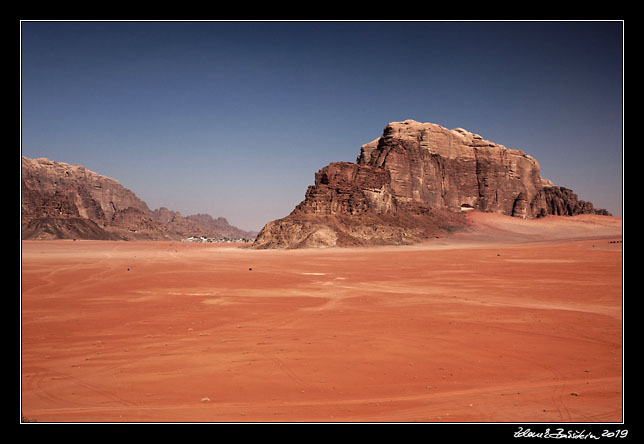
[(62, 201), (415, 182)]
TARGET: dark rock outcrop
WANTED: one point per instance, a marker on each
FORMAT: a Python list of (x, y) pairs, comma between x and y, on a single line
[(561, 201), (411, 184)]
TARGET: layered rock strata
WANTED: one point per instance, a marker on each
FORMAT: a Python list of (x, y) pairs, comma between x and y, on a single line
[(62, 201), (415, 182)]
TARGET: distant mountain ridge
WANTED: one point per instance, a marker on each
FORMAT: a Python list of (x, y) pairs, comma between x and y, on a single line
[(63, 201)]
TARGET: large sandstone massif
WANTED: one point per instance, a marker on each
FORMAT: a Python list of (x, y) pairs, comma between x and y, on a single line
[(415, 182), (62, 201)]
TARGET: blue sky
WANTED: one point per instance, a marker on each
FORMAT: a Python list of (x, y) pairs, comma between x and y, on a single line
[(234, 118)]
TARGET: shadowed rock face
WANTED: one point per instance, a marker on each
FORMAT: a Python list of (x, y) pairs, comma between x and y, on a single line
[(62, 201), (410, 184), (69, 201)]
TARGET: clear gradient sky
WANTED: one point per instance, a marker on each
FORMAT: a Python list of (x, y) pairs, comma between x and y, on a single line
[(234, 118)]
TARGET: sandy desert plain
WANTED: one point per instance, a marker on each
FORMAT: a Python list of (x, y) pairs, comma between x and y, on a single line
[(518, 321)]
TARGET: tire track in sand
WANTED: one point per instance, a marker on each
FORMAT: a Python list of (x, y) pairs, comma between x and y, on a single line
[(447, 396), (39, 384)]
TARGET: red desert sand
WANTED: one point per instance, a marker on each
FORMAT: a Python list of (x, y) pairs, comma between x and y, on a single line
[(520, 321)]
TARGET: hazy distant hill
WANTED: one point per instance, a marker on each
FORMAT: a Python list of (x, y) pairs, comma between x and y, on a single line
[(62, 201)]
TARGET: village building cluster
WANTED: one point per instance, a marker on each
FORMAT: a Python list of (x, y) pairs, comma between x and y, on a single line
[(217, 240)]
